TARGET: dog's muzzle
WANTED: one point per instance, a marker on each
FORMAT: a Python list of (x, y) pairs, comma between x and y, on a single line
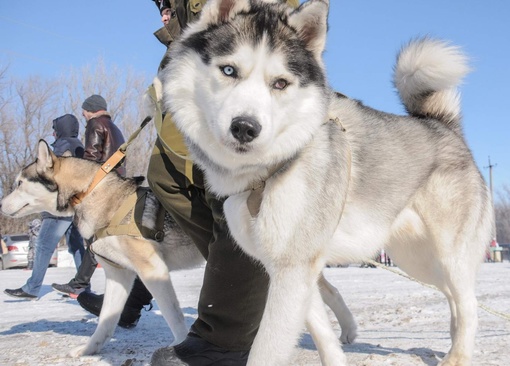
[(245, 129)]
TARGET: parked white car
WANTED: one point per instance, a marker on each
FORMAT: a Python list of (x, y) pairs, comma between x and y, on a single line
[(17, 246)]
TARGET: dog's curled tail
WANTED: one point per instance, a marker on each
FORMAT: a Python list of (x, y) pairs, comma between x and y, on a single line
[(426, 76)]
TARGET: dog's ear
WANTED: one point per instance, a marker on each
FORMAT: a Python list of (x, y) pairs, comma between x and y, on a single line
[(219, 11), (45, 157), (311, 22), (67, 154)]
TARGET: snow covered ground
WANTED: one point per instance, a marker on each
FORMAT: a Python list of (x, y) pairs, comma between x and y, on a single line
[(400, 322)]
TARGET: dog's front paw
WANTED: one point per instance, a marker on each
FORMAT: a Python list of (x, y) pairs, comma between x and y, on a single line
[(80, 351), (349, 333)]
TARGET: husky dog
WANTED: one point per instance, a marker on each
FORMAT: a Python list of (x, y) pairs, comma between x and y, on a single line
[(315, 177), (49, 184)]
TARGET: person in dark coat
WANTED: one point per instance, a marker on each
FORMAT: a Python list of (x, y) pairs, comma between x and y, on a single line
[(102, 136), (102, 140)]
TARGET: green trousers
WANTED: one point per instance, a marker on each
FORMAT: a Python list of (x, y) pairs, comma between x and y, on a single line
[(235, 287)]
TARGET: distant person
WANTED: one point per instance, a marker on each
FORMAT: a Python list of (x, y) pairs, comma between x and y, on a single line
[(33, 232), (65, 131), (102, 136)]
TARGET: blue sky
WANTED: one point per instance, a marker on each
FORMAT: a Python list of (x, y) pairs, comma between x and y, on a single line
[(48, 37)]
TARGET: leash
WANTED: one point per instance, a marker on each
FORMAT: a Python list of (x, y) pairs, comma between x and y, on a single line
[(481, 306), (109, 164)]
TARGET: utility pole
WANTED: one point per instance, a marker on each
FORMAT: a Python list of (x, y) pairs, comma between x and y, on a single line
[(490, 167)]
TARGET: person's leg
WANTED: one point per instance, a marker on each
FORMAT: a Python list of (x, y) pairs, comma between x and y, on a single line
[(237, 287), (234, 284), (52, 229), (85, 272), (81, 281), (75, 245)]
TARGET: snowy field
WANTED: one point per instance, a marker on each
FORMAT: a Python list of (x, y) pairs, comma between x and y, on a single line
[(400, 322)]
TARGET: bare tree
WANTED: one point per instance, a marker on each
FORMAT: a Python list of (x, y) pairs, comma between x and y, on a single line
[(502, 210), (28, 106), (26, 111), (26, 115)]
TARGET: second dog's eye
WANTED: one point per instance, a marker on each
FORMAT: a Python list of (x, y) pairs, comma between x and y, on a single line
[(280, 84), (229, 71)]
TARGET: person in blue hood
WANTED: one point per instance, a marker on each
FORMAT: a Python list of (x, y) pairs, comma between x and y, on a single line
[(65, 131)]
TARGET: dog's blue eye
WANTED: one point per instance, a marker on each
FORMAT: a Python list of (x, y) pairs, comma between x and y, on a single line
[(229, 71)]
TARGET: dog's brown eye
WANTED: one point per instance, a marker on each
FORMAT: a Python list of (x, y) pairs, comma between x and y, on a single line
[(280, 84)]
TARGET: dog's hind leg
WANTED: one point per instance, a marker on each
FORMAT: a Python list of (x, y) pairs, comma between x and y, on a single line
[(319, 326), (331, 296), (460, 293), (447, 259), (119, 282)]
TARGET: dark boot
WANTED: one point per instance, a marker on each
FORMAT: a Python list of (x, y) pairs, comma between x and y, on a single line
[(195, 351), (137, 300)]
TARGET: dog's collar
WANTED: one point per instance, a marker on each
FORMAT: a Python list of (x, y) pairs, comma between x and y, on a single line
[(255, 198), (106, 168)]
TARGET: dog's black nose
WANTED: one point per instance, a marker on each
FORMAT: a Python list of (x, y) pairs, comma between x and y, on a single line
[(245, 129)]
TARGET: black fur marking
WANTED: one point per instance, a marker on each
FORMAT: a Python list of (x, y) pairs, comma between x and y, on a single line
[(50, 185), (262, 22)]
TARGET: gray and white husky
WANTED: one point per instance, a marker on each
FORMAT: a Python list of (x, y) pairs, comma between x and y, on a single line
[(49, 183), (315, 177)]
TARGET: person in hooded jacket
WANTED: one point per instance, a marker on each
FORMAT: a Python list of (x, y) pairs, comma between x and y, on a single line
[(65, 131)]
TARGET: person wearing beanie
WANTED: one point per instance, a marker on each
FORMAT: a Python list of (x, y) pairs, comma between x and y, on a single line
[(94, 103), (102, 139), (102, 136)]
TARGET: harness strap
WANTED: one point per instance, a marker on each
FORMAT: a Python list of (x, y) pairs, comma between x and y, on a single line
[(134, 203), (115, 228)]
